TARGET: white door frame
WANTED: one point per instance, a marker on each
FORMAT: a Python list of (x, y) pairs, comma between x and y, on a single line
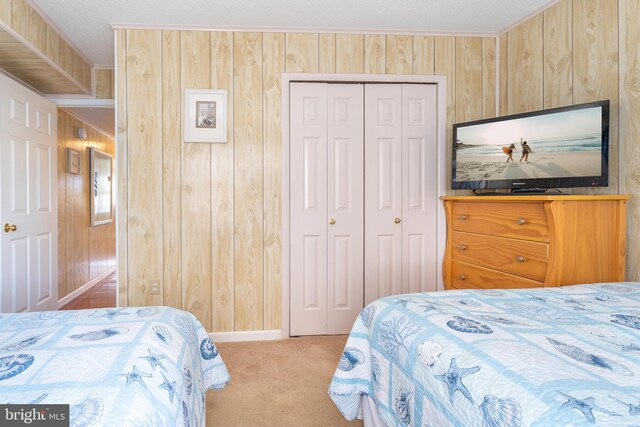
[(441, 150)]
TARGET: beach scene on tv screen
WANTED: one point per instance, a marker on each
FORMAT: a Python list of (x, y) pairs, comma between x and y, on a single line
[(562, 144)]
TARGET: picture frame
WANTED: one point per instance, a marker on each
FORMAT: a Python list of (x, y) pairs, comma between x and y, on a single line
[(205, 115), (73, 161), (101, 187)]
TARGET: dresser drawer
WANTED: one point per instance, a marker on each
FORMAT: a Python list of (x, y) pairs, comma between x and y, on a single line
[(469, 276), (526, 220), (520, 257)]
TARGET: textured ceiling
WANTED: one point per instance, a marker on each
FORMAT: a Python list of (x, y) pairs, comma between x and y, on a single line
[(88, 24)]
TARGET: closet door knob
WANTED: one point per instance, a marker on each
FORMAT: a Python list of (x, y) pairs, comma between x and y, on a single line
[(332, 221), (521, 221), (397, 220)]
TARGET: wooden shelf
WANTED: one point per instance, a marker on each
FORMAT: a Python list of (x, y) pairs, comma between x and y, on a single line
[(31, 51)]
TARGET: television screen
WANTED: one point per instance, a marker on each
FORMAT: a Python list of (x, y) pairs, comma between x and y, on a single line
[(553, 148)]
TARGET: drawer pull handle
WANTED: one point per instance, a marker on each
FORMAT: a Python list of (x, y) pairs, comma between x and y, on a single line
[(463, 217), (521, 221), (463, 247), (463, 277), (520, 258)]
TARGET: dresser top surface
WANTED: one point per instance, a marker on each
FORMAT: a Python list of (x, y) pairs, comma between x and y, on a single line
[(539, 197)]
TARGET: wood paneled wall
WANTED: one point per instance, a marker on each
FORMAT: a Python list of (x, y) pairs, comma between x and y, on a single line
[(629, 127), (104, 83), (18, 17), (84, 252), (579, 51), (205, 219)]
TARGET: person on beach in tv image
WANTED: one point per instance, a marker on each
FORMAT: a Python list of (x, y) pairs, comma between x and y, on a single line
[(509, 152), (525, 151)]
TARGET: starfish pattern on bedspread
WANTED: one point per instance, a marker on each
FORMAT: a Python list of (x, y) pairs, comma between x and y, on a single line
[(453, 378), (586, 406), (633, 409), (154, 360), (112, 314), (170, 386), (136, 376)]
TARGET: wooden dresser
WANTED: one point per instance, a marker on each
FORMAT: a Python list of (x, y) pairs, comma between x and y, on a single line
[(534, 241)]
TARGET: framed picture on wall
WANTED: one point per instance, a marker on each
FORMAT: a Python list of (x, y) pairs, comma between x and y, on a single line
[(73, 161), (205, 115)]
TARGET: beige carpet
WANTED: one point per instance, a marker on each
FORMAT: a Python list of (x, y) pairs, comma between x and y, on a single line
[(278, 383)]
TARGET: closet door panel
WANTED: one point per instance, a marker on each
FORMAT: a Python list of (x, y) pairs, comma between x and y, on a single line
[(419, 198), (383, 190), (363, 200), (308, 207), (345, 185)]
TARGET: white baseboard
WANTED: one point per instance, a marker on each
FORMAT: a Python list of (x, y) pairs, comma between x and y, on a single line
[(239, 336), (84, 288)]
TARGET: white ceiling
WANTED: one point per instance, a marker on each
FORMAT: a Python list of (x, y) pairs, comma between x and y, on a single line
[(102, 118), (88, 24)]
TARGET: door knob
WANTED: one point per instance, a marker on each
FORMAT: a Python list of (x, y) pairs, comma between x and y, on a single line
[(521, 221), (10, 227), (397, 220), (332, 221)]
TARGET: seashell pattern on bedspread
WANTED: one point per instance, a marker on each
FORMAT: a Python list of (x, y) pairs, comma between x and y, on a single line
[(507, 358), (113, 367)]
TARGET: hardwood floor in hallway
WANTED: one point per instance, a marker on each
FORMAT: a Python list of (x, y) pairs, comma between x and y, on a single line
[(102, 295)]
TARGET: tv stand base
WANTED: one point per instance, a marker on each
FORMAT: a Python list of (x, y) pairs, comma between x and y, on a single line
[(528, 191), (518, 192)]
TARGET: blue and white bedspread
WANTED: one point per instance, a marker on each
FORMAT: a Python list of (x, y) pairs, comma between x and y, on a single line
[(147, 366), (530, 357)]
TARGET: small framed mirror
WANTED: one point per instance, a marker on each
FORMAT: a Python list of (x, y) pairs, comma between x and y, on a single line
[(101, 187)]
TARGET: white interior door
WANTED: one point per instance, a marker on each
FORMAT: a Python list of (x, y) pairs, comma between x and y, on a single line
[(349, 247), (326, 207), (419, 193), (28, 195), (345, 161), (383, 190), (400, 193), (308, 208)]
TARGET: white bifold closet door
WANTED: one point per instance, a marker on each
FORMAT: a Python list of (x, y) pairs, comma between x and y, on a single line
[(326, 207), (400, 191), (363, 199)]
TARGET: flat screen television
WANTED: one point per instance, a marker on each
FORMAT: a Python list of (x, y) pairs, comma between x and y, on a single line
[(531, 152)]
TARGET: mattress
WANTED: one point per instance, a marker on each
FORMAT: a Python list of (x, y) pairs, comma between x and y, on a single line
[(146, 366), (527, 357)]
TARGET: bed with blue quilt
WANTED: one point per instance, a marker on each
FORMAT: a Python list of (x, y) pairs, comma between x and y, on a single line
[(146, 366), (527, 357)]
